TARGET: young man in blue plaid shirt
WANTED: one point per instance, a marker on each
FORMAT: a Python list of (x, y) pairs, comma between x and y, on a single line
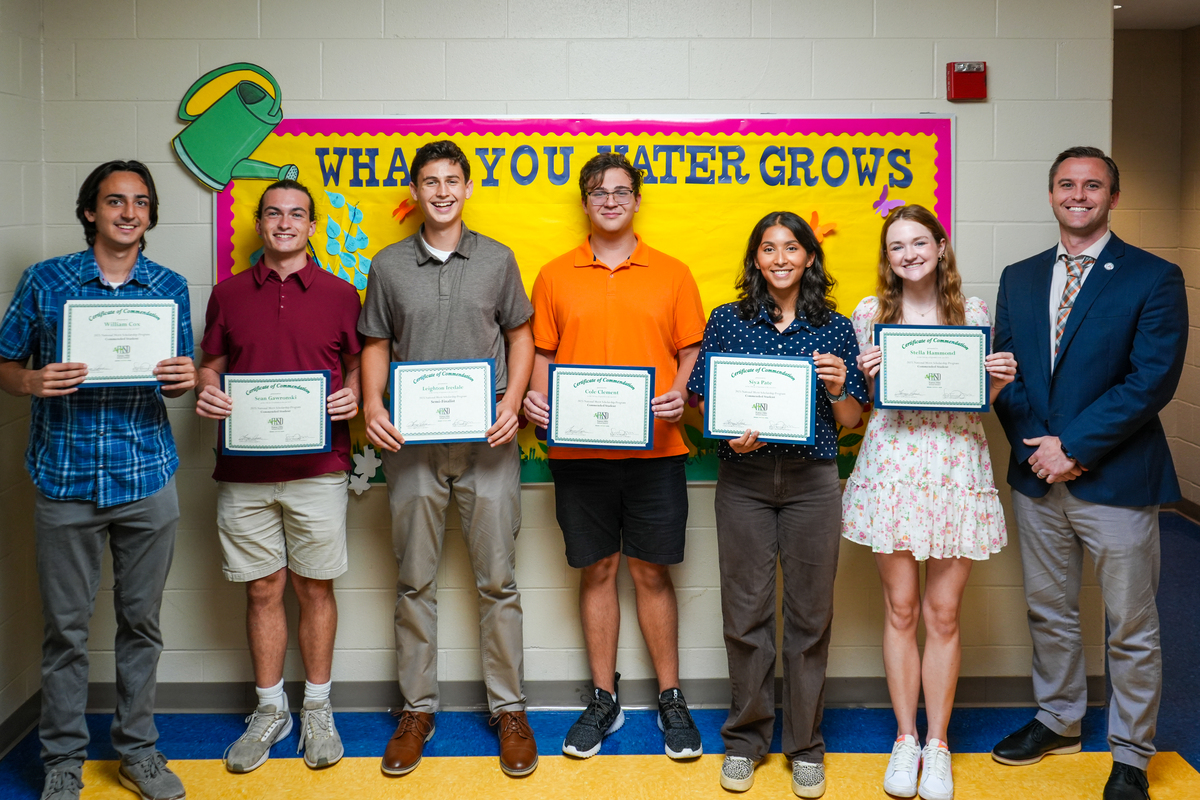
[(103, 462)]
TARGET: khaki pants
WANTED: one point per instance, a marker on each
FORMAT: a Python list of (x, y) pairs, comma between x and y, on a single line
[(486, 486), (1123, 543)]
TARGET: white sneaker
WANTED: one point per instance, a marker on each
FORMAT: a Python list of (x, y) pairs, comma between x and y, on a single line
[(937, 781), (900, 779)]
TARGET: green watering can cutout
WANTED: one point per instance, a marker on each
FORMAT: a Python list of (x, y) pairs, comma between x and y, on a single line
[(216, 145)]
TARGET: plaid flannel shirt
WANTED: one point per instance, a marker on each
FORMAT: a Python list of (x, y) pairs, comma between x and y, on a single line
[(109, 445)]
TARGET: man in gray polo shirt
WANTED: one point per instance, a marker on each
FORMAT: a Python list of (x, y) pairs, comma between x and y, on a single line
[(448, 293)]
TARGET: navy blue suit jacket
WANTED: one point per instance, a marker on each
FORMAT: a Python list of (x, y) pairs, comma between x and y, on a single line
[(1118, 365)]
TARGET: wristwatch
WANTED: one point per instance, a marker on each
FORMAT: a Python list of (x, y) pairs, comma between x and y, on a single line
[(1067, 452)]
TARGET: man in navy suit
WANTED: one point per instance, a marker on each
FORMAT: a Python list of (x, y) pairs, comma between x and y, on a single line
[(1098, 328)]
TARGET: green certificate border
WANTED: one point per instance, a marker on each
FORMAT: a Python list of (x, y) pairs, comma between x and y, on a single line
[(884, 333), (645, 440), (79, 303), (489, 395), (790, 363), (322, 415)]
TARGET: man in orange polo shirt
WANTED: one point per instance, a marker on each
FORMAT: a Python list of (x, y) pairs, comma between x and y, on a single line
[(615, 301)]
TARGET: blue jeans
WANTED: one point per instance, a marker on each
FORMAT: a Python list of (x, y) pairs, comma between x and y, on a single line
[(70, 544)]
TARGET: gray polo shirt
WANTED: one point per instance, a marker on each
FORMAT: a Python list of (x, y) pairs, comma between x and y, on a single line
[(440, 312)]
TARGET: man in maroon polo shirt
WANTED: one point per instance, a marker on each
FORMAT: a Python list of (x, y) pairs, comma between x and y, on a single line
[(284, 514)]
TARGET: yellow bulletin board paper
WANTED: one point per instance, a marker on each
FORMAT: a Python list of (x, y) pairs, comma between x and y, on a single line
[(706, 182)]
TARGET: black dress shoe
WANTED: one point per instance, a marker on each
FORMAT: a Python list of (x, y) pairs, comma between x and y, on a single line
[(1031, 743), (1126, 783)]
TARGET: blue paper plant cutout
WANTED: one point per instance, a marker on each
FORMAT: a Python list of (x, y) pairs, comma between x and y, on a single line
[(344, 244)]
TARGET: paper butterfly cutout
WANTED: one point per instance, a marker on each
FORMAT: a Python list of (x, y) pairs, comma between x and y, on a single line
[(821, 231), (403, 210), (883, 205)]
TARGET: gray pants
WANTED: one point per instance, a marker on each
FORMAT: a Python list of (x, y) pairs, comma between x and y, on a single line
[(787, 510), (1123, 543), (70, 543), (486, 484)]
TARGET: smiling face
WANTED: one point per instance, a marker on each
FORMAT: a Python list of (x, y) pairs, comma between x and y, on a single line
[(122, 212), (441, 190), (1081, 198), (913, 251), (781, 259), (285, 224), (611, 217)]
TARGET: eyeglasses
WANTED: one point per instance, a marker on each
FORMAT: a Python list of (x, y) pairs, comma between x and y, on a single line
[(620, 196)]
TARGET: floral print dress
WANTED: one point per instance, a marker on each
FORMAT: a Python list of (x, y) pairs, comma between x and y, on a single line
[(923, 480)]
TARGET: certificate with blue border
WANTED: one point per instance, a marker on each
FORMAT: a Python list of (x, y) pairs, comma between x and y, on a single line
[(933, 368), (597, 406), (121, 341), (276, 413), (443, 401), (774, 395)]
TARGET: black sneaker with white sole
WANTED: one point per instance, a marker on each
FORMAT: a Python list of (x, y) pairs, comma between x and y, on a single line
[(602, 717), (680, 736)]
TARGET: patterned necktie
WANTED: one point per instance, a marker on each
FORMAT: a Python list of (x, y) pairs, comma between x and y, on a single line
[(1075, 267)]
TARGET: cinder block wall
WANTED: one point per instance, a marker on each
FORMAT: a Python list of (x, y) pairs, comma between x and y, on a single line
[(20, 245), (1156, 141), (1186, 406), (115, 70)]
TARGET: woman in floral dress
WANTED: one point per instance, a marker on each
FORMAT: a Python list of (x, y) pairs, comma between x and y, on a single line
[(922, 492)]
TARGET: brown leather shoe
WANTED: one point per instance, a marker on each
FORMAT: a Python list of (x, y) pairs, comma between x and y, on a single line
[(518, 749), (403, 752)]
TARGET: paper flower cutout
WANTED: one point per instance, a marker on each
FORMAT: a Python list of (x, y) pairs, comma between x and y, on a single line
[(821, 231), (359, 483), (367, 462)]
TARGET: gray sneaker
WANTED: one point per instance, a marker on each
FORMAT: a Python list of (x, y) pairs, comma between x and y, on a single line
[(265, 727), (151, 779), (63, 784), (319, 737), (808, 780)]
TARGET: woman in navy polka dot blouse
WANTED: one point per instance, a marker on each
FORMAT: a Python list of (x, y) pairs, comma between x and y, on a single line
[(781, 502)]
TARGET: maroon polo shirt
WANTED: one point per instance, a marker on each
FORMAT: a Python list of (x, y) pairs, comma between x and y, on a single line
[(263, 324)]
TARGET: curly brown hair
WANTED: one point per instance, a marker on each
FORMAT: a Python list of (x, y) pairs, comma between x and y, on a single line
[(890, 288)]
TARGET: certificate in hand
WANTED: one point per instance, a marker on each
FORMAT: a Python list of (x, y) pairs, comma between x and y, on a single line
[(276, 413), (121, 341), (443, 401), (770, 394), (938, 368), (608, 407)]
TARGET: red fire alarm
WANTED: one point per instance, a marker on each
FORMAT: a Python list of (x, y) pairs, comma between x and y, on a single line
[(966, 80)]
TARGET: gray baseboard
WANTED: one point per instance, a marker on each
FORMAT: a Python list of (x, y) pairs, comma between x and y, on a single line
[(20, 722), (470, 695)]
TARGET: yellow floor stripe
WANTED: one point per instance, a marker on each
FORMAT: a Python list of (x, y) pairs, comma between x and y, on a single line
[(850, 777)]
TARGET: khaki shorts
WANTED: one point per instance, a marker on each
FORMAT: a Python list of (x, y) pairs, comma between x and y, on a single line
[(300, 525)]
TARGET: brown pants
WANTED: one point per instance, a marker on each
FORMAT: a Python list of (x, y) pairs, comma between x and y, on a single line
[(785, 509)]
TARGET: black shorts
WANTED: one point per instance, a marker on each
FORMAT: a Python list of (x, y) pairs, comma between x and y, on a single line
[(602, 502)]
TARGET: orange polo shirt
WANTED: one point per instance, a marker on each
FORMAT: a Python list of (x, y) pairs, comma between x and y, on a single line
[(639, 314)]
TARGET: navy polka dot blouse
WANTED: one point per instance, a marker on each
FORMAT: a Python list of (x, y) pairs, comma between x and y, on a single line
[(727, 332)]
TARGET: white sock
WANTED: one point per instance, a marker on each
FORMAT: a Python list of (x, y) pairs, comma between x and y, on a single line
[(272, 696), (317, 692)]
